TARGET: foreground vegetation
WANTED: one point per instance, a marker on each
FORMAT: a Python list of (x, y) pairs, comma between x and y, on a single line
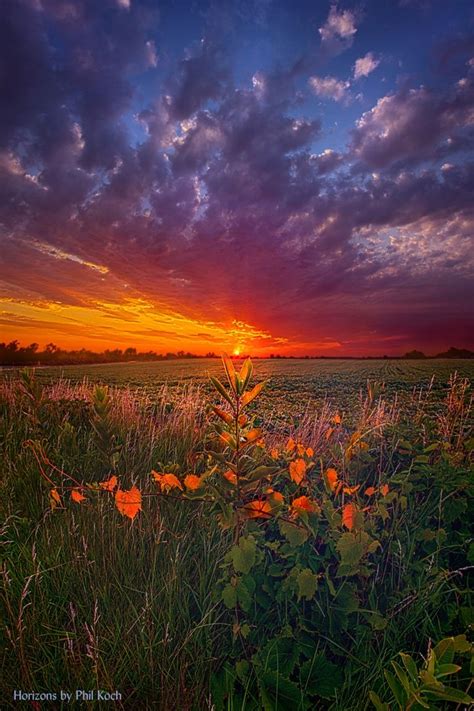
[(191, 557)]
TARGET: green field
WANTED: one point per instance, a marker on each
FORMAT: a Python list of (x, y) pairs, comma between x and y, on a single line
[(343, 540), (295, 384)]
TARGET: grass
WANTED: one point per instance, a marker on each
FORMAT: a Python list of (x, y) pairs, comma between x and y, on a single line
[(91, 600)]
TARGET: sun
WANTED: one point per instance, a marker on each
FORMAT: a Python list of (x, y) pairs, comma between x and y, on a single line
[(236, 351)]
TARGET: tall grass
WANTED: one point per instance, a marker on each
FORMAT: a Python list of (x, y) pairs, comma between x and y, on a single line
[(91, 600)]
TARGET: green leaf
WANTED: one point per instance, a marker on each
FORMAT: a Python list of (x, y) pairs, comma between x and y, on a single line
[(278, 693), (260, 473), (218, 456), (429, 680), (279, 654), (397, 689), (320, 677), (347, 598), (295, 535), (444, 650), (245, 630), (242, 668), (376, 621), (351, 550), (377, 702), (403, 678), (470, 554), (446, 669), (307, 584), (221, 390), (330, 584), (229, 596), (243, 555), (461, 644), (222, 684), (244, 595), (449, 694), (410, 665)]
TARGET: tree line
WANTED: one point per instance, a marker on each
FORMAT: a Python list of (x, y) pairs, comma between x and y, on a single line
[(13, 353)]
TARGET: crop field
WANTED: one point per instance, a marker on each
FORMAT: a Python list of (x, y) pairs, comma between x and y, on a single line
[(184, 535), (296, 385)]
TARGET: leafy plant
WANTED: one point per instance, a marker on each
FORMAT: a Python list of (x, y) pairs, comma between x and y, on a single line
[(414, 687)]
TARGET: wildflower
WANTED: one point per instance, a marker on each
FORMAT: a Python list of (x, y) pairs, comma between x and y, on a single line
[(192, 482), (77, 496), (290, 446), (230, 476), (332, 479)]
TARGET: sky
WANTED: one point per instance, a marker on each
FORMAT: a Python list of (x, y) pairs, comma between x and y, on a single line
[(263, 176)]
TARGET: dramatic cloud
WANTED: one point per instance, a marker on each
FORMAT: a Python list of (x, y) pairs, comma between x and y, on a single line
[(340, 26), (179, 187), (365, 65), (415, 124), (329, 87)]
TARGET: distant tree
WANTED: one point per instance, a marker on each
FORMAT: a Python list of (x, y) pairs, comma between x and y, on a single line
[(414, 355), (456, 353)]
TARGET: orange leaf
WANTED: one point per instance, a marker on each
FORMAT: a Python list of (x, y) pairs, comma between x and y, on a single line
[(245, 370), (370, 491), (297, 470), (274, 453), (129, 503), (275, 495), (253, 435), (110, 484), (332, 479), (303, 503), (230, 371), (223, 415), (384, 489), (309, 451), (230, 476), (192, 482), (329, 432), (300, 450), (337, 419), (258, 509), (167, 481), (348, 516), (350, 489), (252, 394), (77, 496)]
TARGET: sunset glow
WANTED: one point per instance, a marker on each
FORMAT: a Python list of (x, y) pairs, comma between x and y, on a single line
[(286, 179)]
